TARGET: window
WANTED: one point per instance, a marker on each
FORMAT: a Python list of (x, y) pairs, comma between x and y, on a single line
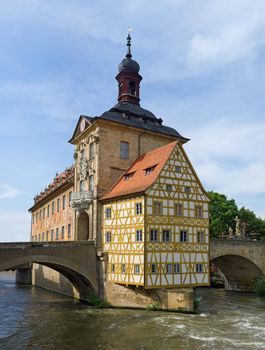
[(153, 268), (48, 210), (33, 217), (200, 237), (70, 198), (132, 90), (166, 236), (136, 269), (108, 237), (58, 204), (169, 268), (62, 232), (138, 207), (64, 200), (108, 213), (39, 237), (157, 208), (149, 170), (198, 211), (178, 169), (112, 268), (42, 237), (40, 215), (91, 182), (120, 88), (176, 268), (183, 236), (187, 189), (47, 236), (169, 187), (81, 186), (128, 176), (52, 207), (69, 231), (91, 150), (123, 269), (51, 235), (178, 209), (153, 236), (124, 150), (37, 217), (43, 213), (139, 236), (57, 234), (199, 268)]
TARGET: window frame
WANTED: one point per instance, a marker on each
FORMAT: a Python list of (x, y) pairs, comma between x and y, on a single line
[(166, 236), (124, 149), (153, 234), (183, 233)]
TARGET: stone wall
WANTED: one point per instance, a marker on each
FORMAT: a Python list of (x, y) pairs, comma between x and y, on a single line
[(47, 278), (177, 299)]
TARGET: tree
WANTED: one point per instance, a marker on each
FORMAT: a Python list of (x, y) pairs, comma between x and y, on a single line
[(222, 214), (254, 224)]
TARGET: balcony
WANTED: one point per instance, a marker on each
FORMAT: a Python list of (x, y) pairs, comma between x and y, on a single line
[(81, 200)]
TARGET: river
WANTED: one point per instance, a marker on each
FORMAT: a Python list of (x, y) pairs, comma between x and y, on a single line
[(33, 318)]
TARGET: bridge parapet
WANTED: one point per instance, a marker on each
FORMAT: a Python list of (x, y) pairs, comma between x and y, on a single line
[(77, 260)]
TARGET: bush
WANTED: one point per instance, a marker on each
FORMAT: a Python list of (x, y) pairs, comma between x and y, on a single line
[(94, 300), (154, 307), (259, 286)]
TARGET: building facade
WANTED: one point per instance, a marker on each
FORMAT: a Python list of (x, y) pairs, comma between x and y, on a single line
[(153, 237)]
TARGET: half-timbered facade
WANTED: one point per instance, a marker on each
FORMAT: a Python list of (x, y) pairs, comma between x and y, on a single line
[(156, 227)]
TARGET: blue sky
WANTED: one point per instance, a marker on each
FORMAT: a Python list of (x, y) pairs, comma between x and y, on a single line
[(203, 72)]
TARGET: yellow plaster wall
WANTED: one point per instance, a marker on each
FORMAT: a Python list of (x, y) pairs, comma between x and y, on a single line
[(123, 248)]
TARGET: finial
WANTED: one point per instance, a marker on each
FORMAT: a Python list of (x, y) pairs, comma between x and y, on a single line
[(129, 55)]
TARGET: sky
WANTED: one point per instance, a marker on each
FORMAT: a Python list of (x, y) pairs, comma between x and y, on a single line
[(203, 72)]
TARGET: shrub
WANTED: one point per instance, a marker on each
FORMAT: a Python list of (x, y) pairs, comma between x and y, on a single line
[(259, 286), (154, 307), (94, 300)]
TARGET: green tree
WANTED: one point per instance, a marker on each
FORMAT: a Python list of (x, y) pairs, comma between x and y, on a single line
[(254, 224), (222, 214)]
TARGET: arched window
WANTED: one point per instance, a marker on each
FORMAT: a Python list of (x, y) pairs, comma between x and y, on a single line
[(124, 150), (132, 88), (120, 88)]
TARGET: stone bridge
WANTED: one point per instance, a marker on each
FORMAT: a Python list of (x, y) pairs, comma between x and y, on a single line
[(76, 260), (241, 261)]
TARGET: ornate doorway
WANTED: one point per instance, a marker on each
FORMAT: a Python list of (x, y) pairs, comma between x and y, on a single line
[(83, 227)]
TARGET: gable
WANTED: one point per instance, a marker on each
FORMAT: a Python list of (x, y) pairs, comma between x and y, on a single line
[(83, 123), (180, 174)]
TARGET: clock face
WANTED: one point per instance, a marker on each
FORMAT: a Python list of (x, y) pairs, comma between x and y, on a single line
[(82, 125)]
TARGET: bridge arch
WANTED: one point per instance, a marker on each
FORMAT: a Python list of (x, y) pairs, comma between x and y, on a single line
[(76, 261), (241, 261)]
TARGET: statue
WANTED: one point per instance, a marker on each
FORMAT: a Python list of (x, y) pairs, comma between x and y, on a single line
[(231, 232), (238, 229)]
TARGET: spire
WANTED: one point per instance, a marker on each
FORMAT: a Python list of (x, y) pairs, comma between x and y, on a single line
[(128, 77), (129, 55)]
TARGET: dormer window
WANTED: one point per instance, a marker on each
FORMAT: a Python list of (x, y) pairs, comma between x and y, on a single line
[(125, 116), (149, 170), (128, 176), (132, 90), (120, 88), (142, 119)]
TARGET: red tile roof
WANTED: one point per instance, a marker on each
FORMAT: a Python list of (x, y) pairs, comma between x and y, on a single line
[(139, 181)]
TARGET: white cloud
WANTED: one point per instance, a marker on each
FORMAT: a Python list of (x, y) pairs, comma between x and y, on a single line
[(7, 191), (229, 156), (15, 226)]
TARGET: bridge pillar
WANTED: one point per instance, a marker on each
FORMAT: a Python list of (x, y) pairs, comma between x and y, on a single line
[(24, 275)]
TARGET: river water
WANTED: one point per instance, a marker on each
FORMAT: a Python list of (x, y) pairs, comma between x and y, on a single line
[(33, 318)]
